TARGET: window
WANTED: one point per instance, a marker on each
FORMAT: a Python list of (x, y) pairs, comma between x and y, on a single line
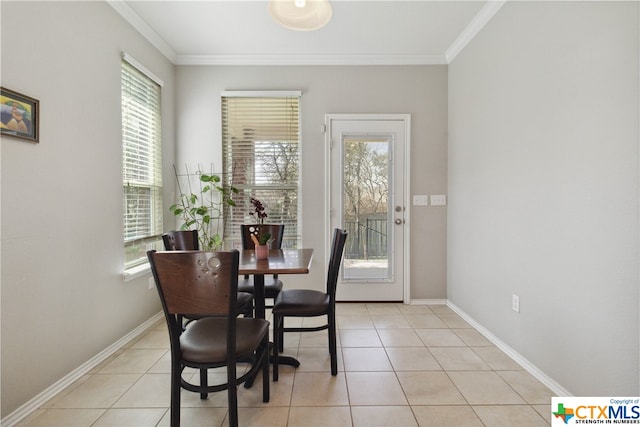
[(142, 162), (261, 158)]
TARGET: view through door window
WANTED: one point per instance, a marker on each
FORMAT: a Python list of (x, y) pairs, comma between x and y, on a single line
[(366, 207)]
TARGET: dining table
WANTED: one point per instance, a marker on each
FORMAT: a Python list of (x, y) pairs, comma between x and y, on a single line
[(279, 261)]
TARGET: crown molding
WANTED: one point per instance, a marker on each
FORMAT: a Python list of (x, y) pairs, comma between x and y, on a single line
[(477, 23), (143, 28), (310, 59)]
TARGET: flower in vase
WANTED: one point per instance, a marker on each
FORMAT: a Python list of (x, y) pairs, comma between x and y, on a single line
[(258, 210)]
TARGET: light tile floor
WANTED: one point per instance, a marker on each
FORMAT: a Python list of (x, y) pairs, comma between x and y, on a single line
[(398, 366)]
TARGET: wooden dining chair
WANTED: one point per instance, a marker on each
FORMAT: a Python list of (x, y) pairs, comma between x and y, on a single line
[(205, 284), (310, 303), (187, 240), (183, 240), (272, 285)]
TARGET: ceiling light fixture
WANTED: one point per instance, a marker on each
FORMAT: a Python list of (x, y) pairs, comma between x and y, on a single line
[(301, 15)]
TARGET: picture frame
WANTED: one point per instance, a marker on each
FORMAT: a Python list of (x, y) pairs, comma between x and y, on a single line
[(19, 115)]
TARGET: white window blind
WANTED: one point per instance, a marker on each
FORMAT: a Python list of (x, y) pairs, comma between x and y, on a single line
[(261, 158), (142, 164)]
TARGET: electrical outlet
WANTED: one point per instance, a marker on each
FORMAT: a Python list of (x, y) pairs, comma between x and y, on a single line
[(515, 303), (152, 283)]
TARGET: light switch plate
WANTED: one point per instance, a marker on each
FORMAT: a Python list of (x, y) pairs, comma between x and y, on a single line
[(419, 200), (438, 200)]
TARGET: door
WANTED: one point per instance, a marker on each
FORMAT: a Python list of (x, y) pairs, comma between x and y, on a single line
[(368, 182)]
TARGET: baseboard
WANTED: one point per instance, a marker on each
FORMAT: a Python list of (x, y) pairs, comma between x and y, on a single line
[(428, 302), (556, 388), (35, 403)]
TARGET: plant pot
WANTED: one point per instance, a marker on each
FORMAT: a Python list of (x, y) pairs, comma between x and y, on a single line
[(262, 251)]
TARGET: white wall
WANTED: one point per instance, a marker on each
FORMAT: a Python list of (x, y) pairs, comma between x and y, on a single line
[(543, 188), (63, 298), (418, 90)]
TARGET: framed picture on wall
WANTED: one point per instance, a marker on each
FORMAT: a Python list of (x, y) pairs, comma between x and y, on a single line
[(19, 115)]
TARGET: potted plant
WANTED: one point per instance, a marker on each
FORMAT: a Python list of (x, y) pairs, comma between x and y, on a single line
[(202, 209), (262, 240), (258, 210), (262, 245)]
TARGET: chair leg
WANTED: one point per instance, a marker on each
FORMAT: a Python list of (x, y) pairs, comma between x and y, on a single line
[(232, 395), (203, 383), (175, 393), (333, 351), (265, 371), (278, 322), (280, 348)]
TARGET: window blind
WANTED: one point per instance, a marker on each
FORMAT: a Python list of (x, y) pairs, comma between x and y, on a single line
[(261, 158), (142, 163)]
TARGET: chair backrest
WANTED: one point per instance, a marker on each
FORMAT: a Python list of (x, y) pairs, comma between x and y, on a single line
[(196, 282), (276, 231), (337, 248), (184, 240)]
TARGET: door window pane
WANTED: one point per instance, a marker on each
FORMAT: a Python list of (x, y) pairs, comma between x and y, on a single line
[(366, 207)]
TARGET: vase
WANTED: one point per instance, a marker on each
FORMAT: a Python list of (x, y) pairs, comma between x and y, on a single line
[(262, 251)]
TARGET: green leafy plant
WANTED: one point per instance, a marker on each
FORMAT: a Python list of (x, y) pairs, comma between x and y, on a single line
[(264, 238), (202, 209)]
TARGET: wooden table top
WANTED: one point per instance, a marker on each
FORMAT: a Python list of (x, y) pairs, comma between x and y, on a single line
[(280, 261)]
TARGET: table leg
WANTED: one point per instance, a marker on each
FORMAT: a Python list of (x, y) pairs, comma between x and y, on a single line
[(258, 296), (259, 313)]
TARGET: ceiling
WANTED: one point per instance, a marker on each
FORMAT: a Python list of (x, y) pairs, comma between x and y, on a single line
[(360, 31)]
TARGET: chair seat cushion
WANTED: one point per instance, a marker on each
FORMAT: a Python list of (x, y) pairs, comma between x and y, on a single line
[(244, 298), (205, 340), (272, 286), (301, 302)]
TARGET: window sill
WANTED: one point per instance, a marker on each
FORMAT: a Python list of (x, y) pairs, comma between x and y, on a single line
[(135, 272)]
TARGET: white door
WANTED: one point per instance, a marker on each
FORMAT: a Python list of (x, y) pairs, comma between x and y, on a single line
[(368, 186)]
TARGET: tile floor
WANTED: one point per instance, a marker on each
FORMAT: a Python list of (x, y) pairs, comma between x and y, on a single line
[(398, 365)]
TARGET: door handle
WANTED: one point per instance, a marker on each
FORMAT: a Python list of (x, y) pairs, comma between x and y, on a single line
[(399, 221)]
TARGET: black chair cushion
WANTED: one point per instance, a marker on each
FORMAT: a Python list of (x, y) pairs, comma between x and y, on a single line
[(272, 286), (244, 298), (205, 340), (301, 302)]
